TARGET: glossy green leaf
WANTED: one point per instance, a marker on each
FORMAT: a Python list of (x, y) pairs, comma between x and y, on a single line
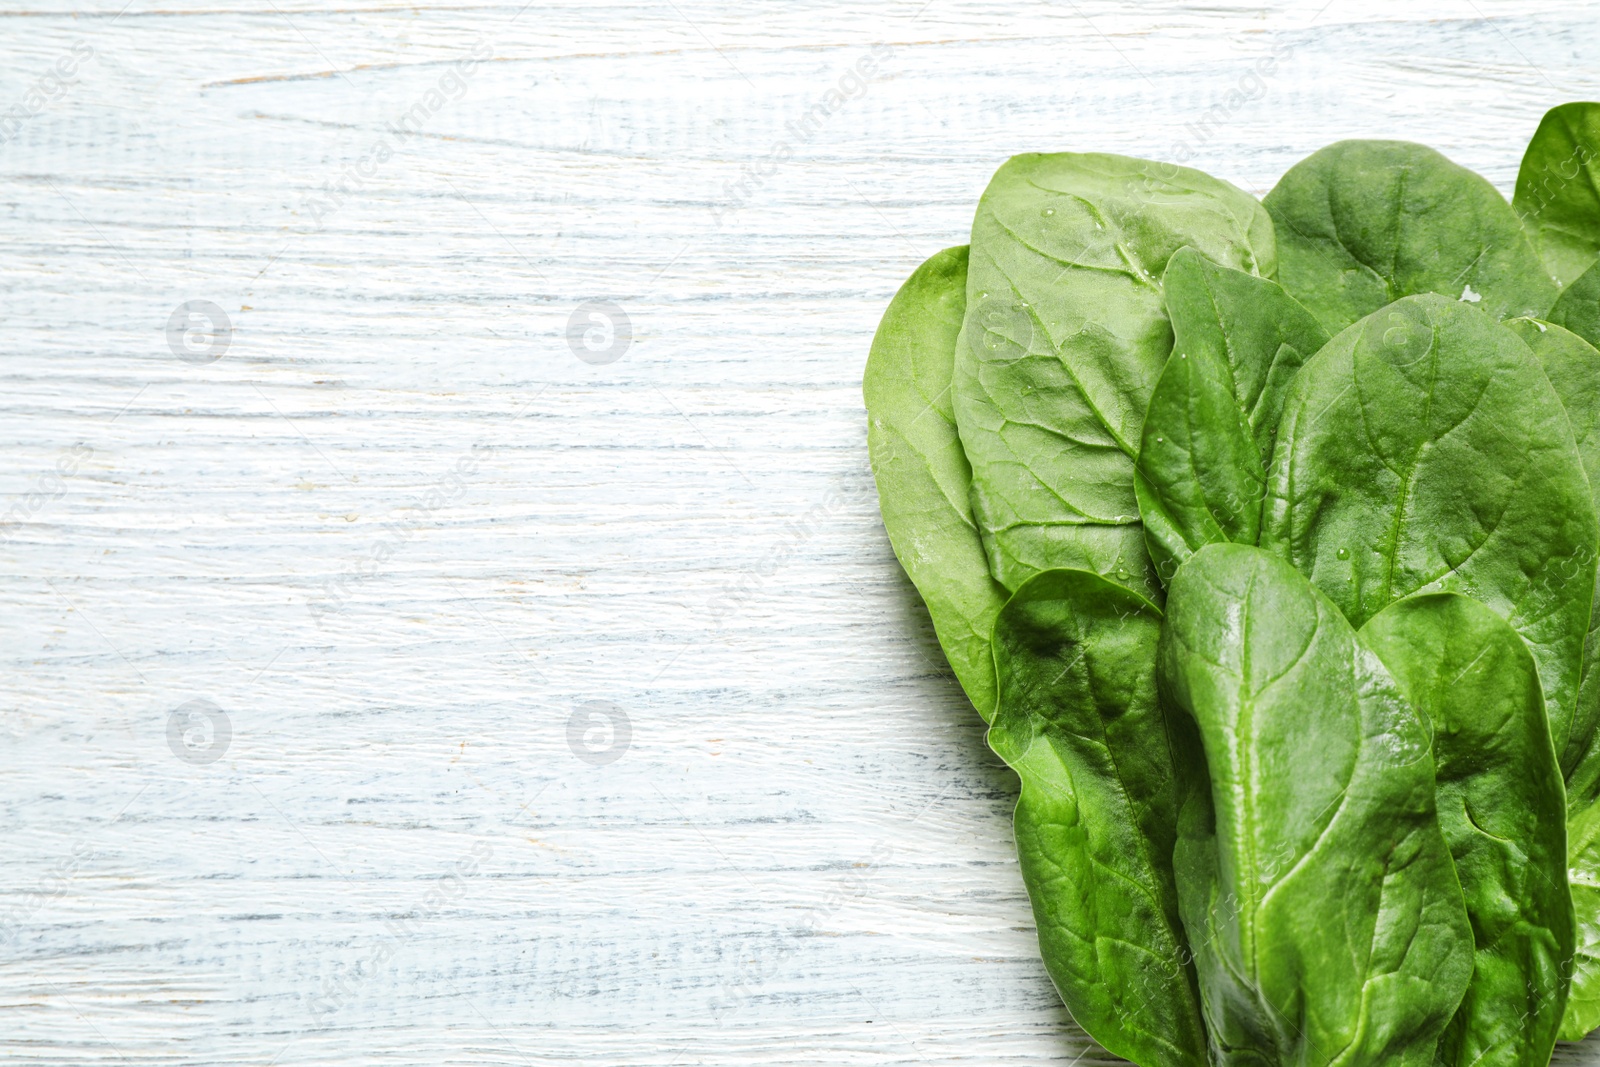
[(1573, 367), (923, 477), (1208, 434), (1558, 189), (1316, 886), (1503, 813), (1578, 307), (1079, 720), (1065, 335), (1361, 224), (1424, 449), (1583, 876)]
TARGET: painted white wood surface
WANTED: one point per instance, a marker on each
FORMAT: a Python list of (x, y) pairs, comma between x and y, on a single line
[(399, 534)]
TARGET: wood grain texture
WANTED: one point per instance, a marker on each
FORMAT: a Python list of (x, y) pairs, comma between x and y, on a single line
[(399, 535)]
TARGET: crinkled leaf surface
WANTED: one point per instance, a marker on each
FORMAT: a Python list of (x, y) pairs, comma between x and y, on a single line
[(1238, 341), (1503, 813), (1079, 720), (1424, 449), (1316, 887), (1065, 335), (1558, 189), (1361, 224), (923, 477), (1578, 307)]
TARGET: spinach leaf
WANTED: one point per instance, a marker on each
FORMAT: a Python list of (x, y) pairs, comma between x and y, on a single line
[(1079, 720), (1558, 189), (1065, 335), (1583, 877), (1361, 224), (1573, 367), (923, 477), (1238, 341), (1424, 449), (1315, 884), (1578, 307), (1503, 813)]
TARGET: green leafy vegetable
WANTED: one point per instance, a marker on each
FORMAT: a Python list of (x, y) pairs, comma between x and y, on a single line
[(1578, 307), (1208, 435), (1316, 886), (1503, 813), (1079, 720), (1558, 189), (1340, 805), (1573, 367), (1065, 335), (1424, 449), (922, 474), (1361, 224), (1583, 852)]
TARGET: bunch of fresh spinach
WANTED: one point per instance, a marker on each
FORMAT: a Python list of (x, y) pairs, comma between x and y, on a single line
[(1264, 536)]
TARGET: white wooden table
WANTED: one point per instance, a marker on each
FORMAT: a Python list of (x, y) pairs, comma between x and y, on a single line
[(302, 761)]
